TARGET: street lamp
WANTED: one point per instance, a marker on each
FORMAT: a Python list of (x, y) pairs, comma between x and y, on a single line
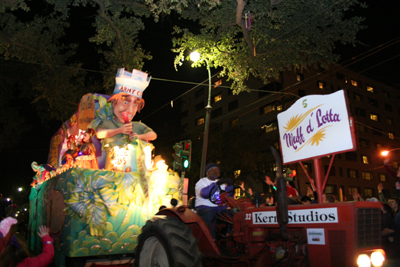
[(20, 189), (195, 56), (386, 152)]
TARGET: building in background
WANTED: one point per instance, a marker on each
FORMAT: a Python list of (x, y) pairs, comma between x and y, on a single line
[(372, 104)]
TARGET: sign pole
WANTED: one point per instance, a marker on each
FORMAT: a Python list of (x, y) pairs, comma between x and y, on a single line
[(318, 177)]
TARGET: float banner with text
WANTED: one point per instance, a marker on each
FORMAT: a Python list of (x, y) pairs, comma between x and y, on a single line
[(327, 215), (315, 125)]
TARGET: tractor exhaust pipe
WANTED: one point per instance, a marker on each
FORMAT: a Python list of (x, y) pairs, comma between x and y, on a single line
[(280, 196)]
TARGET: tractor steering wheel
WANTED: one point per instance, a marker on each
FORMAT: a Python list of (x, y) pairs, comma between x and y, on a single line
[(215, 194)]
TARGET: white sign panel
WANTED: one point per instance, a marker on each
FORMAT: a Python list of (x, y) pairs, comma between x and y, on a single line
[(327, 215), (316, 236), (315, 125)]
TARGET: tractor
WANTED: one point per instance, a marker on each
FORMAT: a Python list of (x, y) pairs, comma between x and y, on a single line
[(329, 234)]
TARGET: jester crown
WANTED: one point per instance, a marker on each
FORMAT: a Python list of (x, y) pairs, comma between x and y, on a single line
[(130, 83)]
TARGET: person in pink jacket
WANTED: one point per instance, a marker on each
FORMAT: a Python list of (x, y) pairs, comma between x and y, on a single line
[(15, 252)]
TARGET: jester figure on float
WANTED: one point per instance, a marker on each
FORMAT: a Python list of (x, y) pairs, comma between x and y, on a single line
[(119, 134)]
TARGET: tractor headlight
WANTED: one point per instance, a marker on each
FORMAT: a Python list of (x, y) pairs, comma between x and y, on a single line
[(376, 259), (363, 261)]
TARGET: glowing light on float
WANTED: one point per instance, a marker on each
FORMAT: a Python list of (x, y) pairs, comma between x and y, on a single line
[(121, 157), (147, 155), (162, 166)]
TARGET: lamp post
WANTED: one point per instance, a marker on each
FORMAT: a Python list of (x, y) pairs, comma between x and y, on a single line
[(195, 56)]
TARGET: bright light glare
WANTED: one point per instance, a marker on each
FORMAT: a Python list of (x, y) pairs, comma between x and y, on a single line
[(194, 56), (8, 199), (147, 156), (385, 153), (161, 165), (363, 261), (20, 189), (377, 258)]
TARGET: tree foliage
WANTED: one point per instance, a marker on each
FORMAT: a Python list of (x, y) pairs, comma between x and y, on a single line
[(282, 35)]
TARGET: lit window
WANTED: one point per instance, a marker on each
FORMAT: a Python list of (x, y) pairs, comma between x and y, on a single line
[(357, 97), (200, 121), (279, 108), (365, 159), (370, 89), (330, 189), (354, 83), (217, 98), (378, 145), (367, 176), (389, 121), (374, 117), (271, 127), (363, 142), (391, 135), (299, 77), (352, 173), (218, 83), (352, 190), (269, 108), (234, 122), (321, 85), (368, 192), (382, 177), (395, 165)]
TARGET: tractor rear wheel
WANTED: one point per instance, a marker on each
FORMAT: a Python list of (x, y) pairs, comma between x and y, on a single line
[(167, 242)]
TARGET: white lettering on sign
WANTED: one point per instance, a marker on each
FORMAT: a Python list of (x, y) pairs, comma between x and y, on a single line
[(327, 215)]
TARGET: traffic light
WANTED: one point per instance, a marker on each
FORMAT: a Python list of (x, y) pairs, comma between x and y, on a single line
[(177, 165), (182, 155), (186, 154)]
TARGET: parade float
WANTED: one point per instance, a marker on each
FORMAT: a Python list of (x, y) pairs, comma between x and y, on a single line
[(96, 194)]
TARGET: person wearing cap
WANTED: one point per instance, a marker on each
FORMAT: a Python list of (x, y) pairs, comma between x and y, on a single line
[(207, 190), (126, 101)]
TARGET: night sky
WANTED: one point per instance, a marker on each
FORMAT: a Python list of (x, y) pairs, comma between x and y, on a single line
[(382, 18)]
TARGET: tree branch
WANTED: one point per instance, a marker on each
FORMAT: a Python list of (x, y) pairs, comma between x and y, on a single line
[(219, 34), (129, 3), (241, 23), (116, 30), (21, 45)]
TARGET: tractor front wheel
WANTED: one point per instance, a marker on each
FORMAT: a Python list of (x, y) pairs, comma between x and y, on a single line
[(167, 242)]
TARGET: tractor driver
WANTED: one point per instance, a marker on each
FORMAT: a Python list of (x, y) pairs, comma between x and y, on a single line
[(207, 192)]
